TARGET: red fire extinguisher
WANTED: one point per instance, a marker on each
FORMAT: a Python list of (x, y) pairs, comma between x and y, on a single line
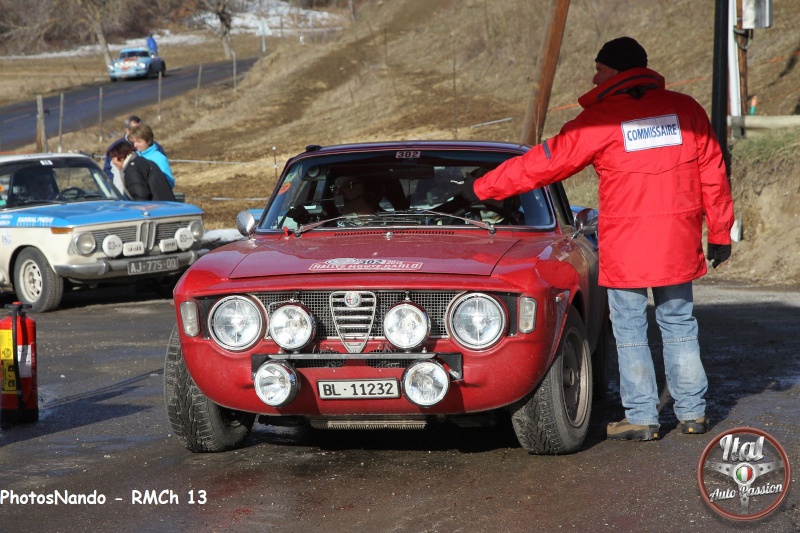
[(19, 401)]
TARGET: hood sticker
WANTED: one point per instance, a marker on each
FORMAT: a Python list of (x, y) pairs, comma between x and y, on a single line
[(350, 264)]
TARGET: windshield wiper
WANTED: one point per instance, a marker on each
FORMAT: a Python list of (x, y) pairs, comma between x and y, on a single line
[(480, 223)]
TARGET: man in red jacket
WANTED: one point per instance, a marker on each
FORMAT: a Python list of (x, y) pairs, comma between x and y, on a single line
[(660, 170)]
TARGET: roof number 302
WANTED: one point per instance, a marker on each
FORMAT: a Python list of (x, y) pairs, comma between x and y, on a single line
[(407, 155)]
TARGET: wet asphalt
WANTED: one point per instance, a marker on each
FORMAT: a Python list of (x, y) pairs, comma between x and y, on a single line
[(103, 435)]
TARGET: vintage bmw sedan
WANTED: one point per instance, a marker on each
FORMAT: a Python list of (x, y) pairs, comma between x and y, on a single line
[(63, 225), (370, 295)]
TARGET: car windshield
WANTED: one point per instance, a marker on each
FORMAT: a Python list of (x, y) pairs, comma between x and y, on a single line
[(53, 181), (133, 54), (396, 188)]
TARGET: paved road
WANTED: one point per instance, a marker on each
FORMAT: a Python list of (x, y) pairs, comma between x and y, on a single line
[(82, 108), (103, 431)]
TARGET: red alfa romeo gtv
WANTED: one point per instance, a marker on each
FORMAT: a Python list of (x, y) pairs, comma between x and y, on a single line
[(370, 295)]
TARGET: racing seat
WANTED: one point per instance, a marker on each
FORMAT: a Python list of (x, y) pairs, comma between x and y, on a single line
[(32, 183)]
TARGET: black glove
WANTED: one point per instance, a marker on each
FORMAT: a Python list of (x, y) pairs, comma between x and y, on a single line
[(467, 191), (299, 214), (718, 253)]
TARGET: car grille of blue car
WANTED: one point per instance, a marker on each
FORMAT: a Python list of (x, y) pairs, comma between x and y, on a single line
[(151, 233)]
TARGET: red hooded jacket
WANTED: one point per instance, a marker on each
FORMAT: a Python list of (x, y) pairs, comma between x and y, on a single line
[(660, 170)]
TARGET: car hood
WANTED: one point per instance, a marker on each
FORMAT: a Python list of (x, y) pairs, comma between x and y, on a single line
[(475, 253), (90, 213)]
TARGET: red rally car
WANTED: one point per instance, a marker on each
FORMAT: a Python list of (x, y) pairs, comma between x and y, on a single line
[(370, 295)]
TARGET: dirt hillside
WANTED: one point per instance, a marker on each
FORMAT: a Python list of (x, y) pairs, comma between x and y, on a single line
[(438, 69)]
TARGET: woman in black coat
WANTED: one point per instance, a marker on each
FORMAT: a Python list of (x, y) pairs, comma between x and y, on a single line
[(143, 179)]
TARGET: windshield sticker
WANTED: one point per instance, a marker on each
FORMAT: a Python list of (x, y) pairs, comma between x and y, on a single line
[(366, 264), (408, 154), (285, 187), (653, 132)]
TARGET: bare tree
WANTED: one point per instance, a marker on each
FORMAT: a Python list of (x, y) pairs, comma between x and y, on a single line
[(96, 11), (221, 9)]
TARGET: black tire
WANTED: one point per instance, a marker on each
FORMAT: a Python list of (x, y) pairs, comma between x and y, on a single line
[(554, 419), (35, 281), (200, 424)]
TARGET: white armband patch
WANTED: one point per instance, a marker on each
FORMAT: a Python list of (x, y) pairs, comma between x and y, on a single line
[(653, 132)]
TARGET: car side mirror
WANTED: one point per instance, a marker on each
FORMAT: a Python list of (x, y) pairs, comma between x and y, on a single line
[(246, 224), (586, 222)]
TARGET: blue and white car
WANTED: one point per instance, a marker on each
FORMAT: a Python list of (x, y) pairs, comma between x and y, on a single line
[(63, 225), (136, 63)]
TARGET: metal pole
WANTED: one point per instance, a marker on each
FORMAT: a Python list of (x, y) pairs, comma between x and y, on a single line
[(543, 82), (197, 92), (100, 115), (719, 82), (60, 121), (234, 71)]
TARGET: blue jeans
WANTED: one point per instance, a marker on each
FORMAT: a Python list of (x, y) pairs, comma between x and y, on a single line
[(686, 378)]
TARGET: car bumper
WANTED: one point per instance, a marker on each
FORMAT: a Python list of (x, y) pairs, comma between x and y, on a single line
[(107, 268), (484, 381), (128, 74)]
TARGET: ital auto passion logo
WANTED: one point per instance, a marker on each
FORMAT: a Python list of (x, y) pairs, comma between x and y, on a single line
[(744, 474)]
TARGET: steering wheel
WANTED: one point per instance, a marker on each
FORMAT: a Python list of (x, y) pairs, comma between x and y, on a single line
[(474, 209), (70, 193)]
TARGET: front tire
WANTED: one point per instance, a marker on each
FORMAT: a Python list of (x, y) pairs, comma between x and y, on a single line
[(554, 419), (200, 424), (35, 281)]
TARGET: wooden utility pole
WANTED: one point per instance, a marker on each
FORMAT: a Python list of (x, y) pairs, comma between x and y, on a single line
[(41, 132), (742, 43), (543, 80)]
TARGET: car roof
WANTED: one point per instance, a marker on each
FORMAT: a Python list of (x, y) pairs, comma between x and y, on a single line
[(314, 150), (12, 158)]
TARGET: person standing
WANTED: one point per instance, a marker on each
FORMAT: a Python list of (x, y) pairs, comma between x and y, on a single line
[(660, 171), (143, 180), (152, 47), (142, 138)]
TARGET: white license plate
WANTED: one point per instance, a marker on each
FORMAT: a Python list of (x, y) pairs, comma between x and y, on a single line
[(153, 265), (358, 389)]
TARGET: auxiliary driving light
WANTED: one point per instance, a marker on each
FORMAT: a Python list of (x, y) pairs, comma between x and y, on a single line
[(425, 383), (276, 383), (291, 326), (406, 326)]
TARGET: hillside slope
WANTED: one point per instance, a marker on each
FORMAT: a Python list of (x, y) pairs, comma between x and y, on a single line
[(439, 68)]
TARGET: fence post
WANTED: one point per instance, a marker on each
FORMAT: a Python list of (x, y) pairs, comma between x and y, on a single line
[(197, 92), (159, 96), (100, 115), (234, 71), (60, 121), (41, 133)]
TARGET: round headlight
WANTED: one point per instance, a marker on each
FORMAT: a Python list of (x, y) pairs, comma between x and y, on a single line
[(425, 383), (477, 321), (406, 326), (84, 243), (235, 322), (196, 227), (291, 326), (276, 383)]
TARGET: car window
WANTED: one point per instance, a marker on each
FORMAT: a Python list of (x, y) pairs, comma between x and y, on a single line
[(67, 180), (398, 186)]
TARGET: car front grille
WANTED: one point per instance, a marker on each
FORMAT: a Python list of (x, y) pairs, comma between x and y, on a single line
[(356, 325), (149, 232)]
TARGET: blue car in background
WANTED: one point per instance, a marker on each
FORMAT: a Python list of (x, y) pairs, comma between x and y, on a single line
[(63, 225), (136, 63)]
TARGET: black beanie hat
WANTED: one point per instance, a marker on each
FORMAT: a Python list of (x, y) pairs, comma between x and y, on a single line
[(621, 54)]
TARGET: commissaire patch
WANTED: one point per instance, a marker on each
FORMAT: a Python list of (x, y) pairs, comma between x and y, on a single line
[(652, 132)]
